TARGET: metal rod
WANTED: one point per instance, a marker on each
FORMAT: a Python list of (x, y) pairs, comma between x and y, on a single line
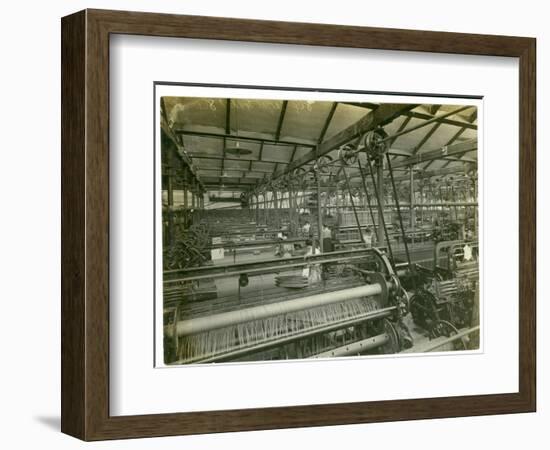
[(399, 214), (368, 196), (355, 347), (381, 193), (353, 205), (433, 345), (411, 202), (380, 209), (319, 213), (231, 318)]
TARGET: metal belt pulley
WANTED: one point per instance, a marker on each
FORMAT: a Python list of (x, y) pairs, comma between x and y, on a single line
[(341, 184), (244, 198), (261, 189), (376, 143), (348, 154), (280, 183), (355, 192), (322, 165), (301, 178), (299, 172)]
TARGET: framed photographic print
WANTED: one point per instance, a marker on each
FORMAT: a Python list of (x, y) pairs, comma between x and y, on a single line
[(272, 224)]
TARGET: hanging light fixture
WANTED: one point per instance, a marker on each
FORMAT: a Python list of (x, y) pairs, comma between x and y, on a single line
[(237, 150)]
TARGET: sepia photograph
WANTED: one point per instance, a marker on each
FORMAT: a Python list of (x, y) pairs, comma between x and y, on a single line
[(295, 225), (292, 223)]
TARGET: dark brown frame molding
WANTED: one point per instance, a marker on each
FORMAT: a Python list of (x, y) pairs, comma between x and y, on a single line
[(85, 224)]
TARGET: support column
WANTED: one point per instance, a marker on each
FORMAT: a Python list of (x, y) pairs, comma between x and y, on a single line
[(412, 218), (361, 238), (257, 208), (185, 193), (185, 190), (170, 191), (337, 204), (265, 207), (422, 201), (319, 211), (476, 218), (276, 209), (411, 201), (291, 217)]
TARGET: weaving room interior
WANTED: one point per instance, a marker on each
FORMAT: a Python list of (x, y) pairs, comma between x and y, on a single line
[(298, 229)]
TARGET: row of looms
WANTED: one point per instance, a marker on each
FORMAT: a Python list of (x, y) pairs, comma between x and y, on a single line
[(307, 229)]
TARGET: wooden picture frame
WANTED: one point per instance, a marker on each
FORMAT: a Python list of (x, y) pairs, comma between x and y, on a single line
[(85, 224)]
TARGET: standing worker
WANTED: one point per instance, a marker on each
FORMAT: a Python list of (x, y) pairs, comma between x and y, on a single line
[(305, 228), (367, 237), (328, 245), (313, 271)]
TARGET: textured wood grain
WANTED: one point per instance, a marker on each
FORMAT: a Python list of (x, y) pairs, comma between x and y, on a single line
[(73, 225), (85, 224)]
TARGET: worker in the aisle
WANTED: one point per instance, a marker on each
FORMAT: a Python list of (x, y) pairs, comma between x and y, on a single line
[(286, 247), (306, 228), (283, 249), (367, 237), (312, 271), (328, 245)]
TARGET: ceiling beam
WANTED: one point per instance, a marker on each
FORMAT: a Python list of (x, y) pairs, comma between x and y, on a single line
[(449, 142), (327, 122), (281, 120), (420, 174), (242, 138), (218, 185), (399, 152), (210, 169), (228, 116), (444, 152), (471, 118), (447, 121), (219, 158), (366, 105), (425, 139), (293, 154), (383, 115), (401, 128), (434, 119)]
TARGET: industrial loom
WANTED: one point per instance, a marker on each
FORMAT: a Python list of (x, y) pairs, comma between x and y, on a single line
[(357, 309)]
